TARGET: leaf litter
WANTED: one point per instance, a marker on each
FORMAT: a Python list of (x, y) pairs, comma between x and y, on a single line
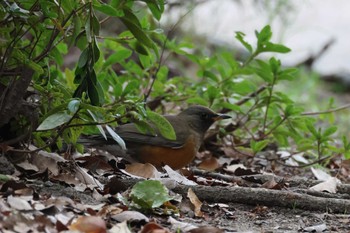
[(67, 195)]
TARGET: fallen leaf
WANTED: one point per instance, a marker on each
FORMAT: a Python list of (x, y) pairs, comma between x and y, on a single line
[(320, 174), (206, 229), (330, 185), (89, 224), (299, 157), (114, 186), (209, 164), (196, 203), (18, 203), (316, 228), (86, 179), (177, 176), (130, 215), (45, 160), (146, 170), (120, 228), (153, 227), (183, 226), (109, 210), (234, 167)]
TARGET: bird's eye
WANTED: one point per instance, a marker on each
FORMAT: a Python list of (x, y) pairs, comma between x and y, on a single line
[(204, 115)]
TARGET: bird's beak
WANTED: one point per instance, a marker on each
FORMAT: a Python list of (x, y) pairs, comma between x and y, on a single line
[(221, 116)]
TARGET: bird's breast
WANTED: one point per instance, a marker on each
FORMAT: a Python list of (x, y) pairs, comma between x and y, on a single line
[(176, 158)]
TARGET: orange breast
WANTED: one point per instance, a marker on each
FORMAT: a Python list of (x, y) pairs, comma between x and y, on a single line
[(176, 158)]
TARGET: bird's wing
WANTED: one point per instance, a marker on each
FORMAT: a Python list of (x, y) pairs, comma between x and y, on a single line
[(131, 136)]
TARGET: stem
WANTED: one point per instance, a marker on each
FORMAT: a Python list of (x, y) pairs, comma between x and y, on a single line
[(326, 111), (251, 57), (276, 126), (269, 101), (154, 75), (319, 149), (54, 34)]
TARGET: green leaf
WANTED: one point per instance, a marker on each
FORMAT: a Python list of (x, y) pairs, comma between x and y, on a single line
[(162, 124), (210, 75), (73, 105), (149, 194), (54, 121), (264, 71), (145, 127), (258, 146), (119, 56), (95, 50), (95, 25), (146, 61), (92, 89), (88, 30), (130, 87), (162, 74), (84, 56), (156, 7), (116, 137), (76, 30), (312, 129), (287, 74), (264, 35), (128, 14), (329, 131), (141, 49), (240, 38), (23, 59), (213, 93), (232, 107), (137, 32), (291, 110), (275, 65), (278, 48), (134, 26), (197, 100), (108, 10)]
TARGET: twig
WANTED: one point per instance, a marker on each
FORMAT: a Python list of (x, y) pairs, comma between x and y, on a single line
[(304, 165), (268, 197), (326, 111), (246, 98), (154, 75)]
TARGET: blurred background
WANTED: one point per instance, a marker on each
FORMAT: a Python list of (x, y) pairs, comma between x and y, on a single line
[(305, 26)]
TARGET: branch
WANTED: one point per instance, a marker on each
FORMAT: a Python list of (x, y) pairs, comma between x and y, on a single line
[(326, 111)]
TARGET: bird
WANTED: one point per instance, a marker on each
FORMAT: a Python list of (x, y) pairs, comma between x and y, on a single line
[(190, 127)]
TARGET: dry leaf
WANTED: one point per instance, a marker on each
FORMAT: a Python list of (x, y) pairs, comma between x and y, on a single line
[(146, 170), (18, 203), (316, 228), (206, 229), (177, 176), (209, 164), (153, 227), (89, 224), (184, 226), (330, 185), (320, 174), (234, 167), (269, 184), (129, 215), (120, 228), (196, 202), (45, 160), (109, 210)]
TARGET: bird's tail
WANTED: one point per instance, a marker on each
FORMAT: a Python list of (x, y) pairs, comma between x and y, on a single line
[(100, 143)]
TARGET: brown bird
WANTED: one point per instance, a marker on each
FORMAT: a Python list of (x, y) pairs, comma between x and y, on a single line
[(190, 126)]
